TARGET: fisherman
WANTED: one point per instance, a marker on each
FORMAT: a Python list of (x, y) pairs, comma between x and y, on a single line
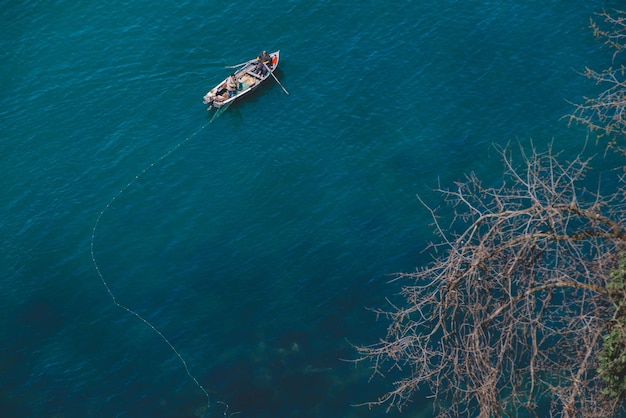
[(263, 60), (232, 85), (209, 97)]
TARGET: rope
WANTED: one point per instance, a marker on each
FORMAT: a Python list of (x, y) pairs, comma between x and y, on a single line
[(108, 288)]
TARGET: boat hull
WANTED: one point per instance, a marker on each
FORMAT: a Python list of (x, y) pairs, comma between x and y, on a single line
[(248, 80)]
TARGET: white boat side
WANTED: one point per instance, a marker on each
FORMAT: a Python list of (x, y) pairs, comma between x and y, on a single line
[(249, 77)]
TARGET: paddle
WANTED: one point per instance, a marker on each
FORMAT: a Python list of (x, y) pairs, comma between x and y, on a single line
[(239, 65), (281, 86)]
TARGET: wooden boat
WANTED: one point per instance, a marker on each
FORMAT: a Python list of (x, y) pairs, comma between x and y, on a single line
[(249, 77)]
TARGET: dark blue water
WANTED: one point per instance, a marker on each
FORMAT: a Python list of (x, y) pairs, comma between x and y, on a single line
[(253, 243)]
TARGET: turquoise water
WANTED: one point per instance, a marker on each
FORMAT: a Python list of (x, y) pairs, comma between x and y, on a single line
[(258, 240)]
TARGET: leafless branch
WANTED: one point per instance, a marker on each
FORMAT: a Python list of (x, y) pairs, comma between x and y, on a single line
[(606, 113), (512, 311)]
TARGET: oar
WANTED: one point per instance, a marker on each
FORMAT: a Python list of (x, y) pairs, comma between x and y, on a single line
[(239, 65), (281, 86)]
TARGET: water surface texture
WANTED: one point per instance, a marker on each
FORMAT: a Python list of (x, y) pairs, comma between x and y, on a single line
[(257, 242)]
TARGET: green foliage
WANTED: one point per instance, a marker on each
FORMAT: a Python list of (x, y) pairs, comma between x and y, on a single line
[(612, 367)]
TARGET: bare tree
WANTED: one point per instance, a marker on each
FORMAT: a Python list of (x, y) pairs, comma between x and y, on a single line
[(510, 316), (606, 113)]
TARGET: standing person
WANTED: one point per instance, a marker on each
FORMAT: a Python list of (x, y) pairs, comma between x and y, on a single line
[(231, 86), (264, 60)]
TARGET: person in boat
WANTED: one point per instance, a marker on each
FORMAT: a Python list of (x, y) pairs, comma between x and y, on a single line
[(232, 85), (263, 60), (209, 98)]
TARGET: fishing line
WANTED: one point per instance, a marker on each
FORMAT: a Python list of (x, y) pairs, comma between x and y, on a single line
[(108, 288)]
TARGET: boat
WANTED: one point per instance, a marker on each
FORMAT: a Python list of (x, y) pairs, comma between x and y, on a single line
[(248, 78)]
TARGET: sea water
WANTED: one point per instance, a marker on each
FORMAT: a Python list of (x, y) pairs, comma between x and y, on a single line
[(256, 242)]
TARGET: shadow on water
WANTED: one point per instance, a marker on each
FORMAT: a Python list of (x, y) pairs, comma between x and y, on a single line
[(279, 376), (36, 321)]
